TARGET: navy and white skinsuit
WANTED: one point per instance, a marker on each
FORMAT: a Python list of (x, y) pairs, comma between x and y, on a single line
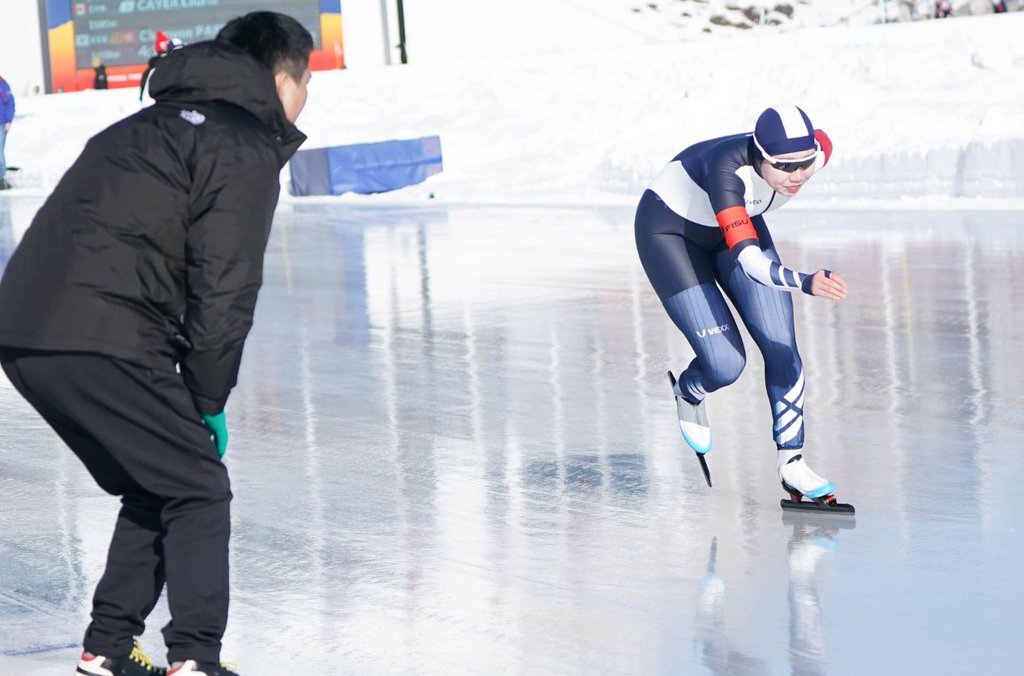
[(699, 232)]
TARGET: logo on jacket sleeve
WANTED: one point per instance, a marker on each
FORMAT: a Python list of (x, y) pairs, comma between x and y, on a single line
[(193, 117)]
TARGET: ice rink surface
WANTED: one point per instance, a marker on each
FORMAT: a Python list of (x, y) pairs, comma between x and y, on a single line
[(454, 451)]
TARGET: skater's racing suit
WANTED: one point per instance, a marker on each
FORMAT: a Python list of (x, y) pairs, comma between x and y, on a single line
[(699, 226)]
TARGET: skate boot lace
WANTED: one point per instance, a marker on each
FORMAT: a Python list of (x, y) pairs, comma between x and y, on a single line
[(139, 656)]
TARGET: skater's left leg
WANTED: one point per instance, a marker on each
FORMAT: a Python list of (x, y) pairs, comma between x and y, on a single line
[(768, 316)]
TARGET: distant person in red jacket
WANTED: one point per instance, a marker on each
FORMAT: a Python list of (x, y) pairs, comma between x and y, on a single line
[(162, 45)]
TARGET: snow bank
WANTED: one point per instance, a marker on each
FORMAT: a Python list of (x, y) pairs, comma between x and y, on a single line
[(914, 110)]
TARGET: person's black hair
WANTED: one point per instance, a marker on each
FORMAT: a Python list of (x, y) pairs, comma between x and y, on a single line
[(276, 40)]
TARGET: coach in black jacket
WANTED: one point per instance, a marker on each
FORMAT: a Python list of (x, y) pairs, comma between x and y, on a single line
[(125, 308)]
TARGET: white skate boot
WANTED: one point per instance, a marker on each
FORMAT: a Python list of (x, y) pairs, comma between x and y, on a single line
[(801, 482), (693, 423)]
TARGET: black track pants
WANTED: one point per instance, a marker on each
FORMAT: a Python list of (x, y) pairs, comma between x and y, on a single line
[(140, 437)]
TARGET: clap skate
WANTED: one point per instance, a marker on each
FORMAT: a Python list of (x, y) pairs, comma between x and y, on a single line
[(807, 490), (693, 423)]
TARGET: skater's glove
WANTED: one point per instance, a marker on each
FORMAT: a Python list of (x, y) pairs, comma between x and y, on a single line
[(218, 426)]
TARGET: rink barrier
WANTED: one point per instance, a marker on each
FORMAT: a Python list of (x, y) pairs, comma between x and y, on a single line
[(979, 169), (983, 169), (365, 168)]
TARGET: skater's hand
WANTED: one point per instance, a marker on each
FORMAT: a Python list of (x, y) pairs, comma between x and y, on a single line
[(828, 284), (218, 426)]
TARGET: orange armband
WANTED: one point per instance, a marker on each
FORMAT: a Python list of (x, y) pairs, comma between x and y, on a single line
[(736, 225)]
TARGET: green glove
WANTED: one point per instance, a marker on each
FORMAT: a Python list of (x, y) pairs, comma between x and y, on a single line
[(218, 427)]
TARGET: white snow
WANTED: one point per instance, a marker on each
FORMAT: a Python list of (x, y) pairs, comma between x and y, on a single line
[(546, 108)]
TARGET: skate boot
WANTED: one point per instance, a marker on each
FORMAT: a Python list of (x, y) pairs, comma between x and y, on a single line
[(193, 668), (693, 423), (137, 663), (801, 482)]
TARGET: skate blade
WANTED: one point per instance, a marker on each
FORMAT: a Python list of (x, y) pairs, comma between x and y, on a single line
[(700, 457), (704, 468), (837, 508)]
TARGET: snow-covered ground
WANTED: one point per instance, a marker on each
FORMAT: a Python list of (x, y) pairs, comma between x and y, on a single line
[(917, 111)]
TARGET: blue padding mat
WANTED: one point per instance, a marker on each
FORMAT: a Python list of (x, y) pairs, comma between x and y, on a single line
[(365, 168)]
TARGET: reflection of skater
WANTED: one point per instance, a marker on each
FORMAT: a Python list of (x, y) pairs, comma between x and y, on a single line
[(718, 653), (699, 232), (809, 544), (123, 321)]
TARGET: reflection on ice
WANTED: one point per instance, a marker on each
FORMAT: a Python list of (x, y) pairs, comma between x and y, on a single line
[(454, 452)]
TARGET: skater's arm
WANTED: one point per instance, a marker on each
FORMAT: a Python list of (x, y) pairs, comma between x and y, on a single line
[(741, 237), (767, 272), (827, 284), (224, 267), (727, 191), (764, 270)]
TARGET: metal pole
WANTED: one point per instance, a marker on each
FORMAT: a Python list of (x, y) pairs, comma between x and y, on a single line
[(44, 35), (387, 33), (401, 32)]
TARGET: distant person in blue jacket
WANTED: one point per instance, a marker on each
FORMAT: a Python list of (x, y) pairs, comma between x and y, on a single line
[(6, 117)]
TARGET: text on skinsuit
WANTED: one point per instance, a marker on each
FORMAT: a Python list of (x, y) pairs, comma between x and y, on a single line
[(714, 330), (736, 226)]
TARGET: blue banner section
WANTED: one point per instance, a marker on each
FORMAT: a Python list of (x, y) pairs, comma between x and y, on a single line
[(58, 13), (365, 168)]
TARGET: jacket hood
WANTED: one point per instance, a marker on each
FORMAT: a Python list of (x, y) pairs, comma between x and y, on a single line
[(212, 71)]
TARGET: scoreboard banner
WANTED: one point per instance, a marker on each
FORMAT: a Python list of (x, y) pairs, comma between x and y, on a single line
[(120, 33)]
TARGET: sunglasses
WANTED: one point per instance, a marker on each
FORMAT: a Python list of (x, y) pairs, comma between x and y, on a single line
[(789, 166)]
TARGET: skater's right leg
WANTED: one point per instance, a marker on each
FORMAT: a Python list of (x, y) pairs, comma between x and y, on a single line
[(139, 435), (702, 316), (679, 267)]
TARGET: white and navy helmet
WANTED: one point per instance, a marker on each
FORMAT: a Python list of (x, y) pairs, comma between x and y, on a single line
[(783, 129)]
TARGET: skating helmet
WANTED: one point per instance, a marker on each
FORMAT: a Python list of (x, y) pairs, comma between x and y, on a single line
[(783, 129)]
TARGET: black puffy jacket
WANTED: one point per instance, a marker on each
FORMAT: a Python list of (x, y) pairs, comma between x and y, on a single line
[(150, 248)]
